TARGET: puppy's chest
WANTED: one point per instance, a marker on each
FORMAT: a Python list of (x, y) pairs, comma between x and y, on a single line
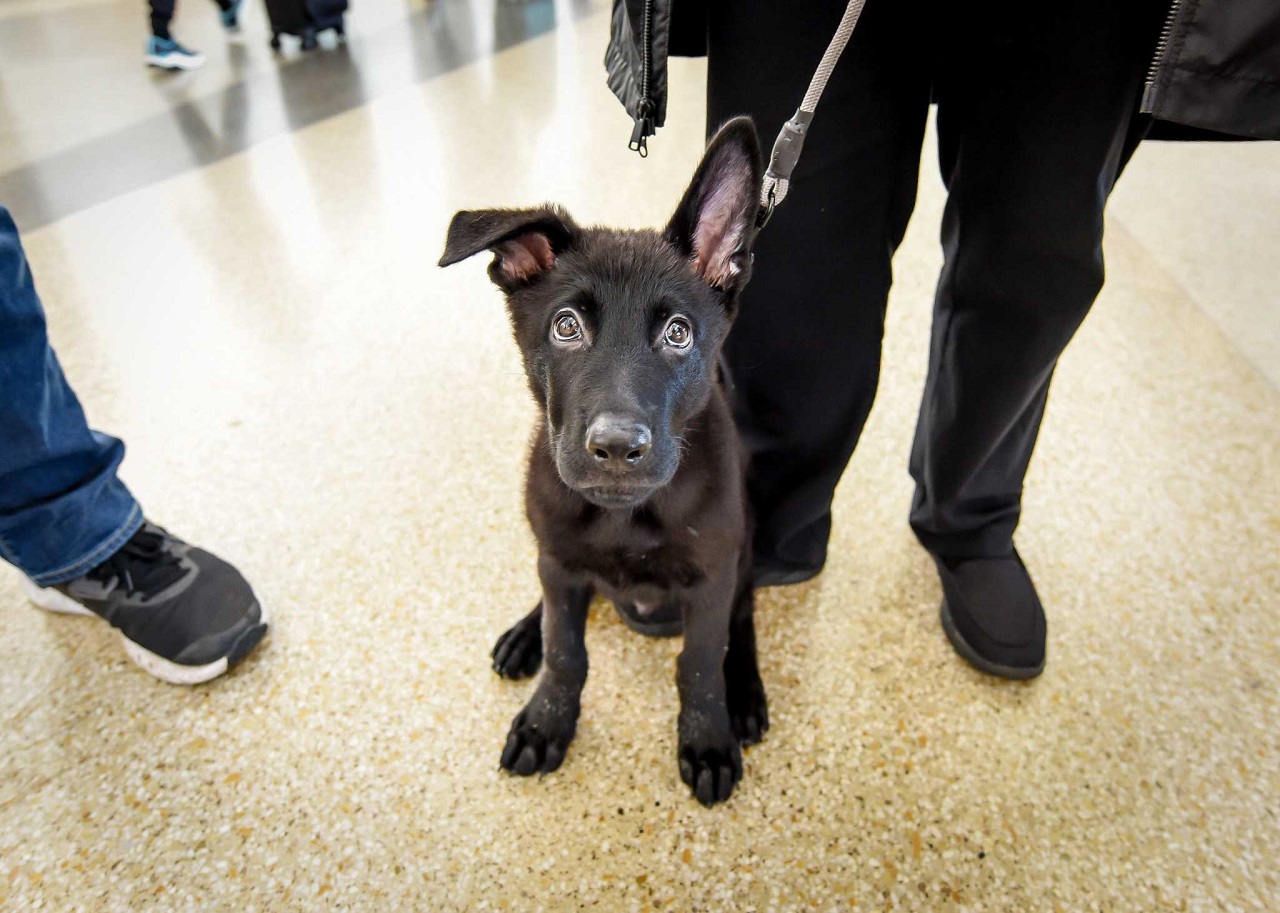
[(626, 556)]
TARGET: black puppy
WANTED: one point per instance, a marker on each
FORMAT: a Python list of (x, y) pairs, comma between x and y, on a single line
[(635, 485)]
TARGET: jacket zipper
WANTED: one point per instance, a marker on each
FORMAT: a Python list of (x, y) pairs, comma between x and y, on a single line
[(1162, 51), (644, 110)]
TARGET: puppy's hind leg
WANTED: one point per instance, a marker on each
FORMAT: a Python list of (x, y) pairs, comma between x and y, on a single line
[(744, 690), (518, 652)]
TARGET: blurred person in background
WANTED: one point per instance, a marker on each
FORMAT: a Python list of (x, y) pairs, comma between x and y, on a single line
[(164, 51)]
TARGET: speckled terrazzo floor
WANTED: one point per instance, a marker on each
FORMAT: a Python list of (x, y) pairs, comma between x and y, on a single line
[(321, 405)]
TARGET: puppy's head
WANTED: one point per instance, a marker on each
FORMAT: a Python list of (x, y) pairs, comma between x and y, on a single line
[(621, 330)]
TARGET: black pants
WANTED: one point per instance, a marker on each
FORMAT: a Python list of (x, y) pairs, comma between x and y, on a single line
[(1036, 119), (162, 15)]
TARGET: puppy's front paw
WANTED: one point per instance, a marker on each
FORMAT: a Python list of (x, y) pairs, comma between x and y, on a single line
[(748, 709), (518, 652), (535, 748), (711, 767)]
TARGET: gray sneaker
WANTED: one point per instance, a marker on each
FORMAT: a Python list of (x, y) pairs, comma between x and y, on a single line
[(184, 615)]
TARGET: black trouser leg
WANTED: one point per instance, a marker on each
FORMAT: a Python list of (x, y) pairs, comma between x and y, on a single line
[(804, 355), (1033, 134), (161, 16)]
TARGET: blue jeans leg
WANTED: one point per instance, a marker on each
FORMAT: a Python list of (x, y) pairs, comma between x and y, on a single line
[(62, 509)]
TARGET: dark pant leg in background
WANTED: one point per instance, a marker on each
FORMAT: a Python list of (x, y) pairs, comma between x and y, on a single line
[(1034, 129), (804, 353), (162, 15), (62, 508)]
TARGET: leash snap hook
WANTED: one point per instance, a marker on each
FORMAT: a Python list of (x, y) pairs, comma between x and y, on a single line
[(765, 212)]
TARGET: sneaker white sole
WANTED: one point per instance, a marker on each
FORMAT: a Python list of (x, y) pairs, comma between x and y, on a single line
[(174, 63), (52, 600)]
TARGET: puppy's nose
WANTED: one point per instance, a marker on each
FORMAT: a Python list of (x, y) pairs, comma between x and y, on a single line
[(618, 444)]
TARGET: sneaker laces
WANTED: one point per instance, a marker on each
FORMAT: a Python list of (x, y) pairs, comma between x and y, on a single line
[(142, 565)]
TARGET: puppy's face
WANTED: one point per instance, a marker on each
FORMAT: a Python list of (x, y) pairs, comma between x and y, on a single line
[(621, 331)]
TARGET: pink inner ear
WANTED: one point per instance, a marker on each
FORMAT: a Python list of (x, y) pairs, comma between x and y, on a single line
[(721, 223), (526, 256)]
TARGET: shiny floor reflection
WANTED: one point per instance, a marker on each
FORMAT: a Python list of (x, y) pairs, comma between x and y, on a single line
[(271, 95)]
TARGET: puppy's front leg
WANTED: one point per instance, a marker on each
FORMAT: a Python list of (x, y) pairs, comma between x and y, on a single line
[(542, 731), (709, 753)]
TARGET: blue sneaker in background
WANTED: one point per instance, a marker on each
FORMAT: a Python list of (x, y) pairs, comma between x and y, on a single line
[(169, 55)]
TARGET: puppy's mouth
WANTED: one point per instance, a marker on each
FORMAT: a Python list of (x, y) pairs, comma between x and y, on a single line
[(615, 496)]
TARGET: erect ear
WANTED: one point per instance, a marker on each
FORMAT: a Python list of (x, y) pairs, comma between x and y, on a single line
[(715, 223), (526, 241)]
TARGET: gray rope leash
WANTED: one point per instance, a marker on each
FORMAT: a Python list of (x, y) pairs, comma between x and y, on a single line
[(790, 141)]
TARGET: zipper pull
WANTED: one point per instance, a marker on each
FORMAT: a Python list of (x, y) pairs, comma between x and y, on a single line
[(642, 130), (639, 136)]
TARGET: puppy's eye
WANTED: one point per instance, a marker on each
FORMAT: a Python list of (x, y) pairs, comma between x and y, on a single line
[(566, 328), (678, 333)]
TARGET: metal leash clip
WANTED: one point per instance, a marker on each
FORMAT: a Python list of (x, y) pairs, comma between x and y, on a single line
[(782, 161), (767, 204)]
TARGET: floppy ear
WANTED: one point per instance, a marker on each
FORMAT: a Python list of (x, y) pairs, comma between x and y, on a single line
[(715, 223), (526, 241)]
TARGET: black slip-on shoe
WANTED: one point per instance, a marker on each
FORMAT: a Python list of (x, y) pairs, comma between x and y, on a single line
[(662, 620), (992, 615), (768, 575), (184, 615)]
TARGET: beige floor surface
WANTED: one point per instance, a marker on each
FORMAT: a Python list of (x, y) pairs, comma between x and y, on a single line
[(304, 391)]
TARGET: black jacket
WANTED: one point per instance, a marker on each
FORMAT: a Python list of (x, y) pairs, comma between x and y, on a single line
[(644, 33), (1217, 67)]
